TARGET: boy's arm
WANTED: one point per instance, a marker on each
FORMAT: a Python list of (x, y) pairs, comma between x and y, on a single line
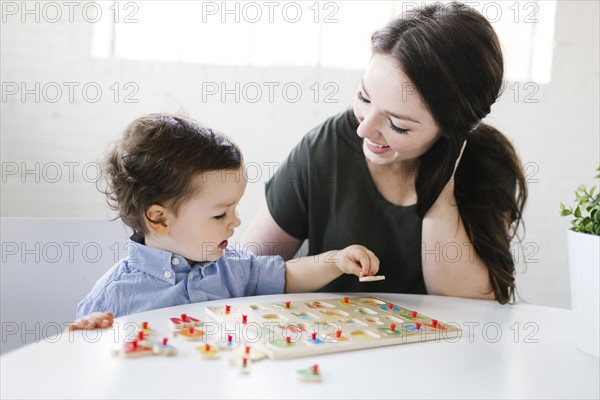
[(307, 274)]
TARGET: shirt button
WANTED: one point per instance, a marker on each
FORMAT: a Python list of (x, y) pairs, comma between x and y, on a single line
[(175, 261), (167, 274), (191, 275)]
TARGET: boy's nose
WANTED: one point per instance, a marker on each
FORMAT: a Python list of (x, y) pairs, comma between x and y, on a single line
[(235, 222)]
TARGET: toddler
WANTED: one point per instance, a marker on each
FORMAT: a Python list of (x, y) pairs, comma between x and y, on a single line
[(176, 184)]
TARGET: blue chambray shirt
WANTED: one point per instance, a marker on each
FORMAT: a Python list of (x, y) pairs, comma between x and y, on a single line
[(149, 278)]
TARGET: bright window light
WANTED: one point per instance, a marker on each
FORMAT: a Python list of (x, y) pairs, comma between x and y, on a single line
[(325, 34)]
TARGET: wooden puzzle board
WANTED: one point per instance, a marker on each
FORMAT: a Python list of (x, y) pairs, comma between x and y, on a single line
[(310, 327)]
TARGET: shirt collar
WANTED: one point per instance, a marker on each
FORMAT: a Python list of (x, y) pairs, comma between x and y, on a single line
[(155, 262), (159, 263)]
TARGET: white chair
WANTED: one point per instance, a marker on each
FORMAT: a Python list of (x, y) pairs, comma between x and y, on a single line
[(48, 266)]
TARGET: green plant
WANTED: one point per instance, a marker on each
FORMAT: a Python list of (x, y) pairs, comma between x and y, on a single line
[(585, 211)]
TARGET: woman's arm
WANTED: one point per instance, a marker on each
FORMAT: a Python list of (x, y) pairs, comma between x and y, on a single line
[(265, 237), (451, 266)]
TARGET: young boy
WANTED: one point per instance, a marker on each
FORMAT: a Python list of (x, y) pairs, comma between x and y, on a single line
[(177, 184)]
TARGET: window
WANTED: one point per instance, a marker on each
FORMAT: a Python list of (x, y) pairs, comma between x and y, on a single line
[(326, 34)]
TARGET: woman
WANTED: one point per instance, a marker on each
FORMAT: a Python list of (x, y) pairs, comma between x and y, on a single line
[(411, 172)]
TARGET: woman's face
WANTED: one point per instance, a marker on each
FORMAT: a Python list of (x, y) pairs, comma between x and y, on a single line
[(394, 123)]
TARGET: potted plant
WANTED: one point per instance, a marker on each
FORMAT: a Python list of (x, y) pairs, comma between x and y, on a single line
[(584, 266)]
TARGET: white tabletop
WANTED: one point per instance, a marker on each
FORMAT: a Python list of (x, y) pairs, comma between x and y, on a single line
[(520, 351)]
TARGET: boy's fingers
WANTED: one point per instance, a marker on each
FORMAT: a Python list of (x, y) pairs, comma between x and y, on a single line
[(352, 263), (93, 321), (107, 319), (366, 267), (90, 325), (368, 261), (81, 324), (374, 263), (106, 323), (74, 326), (364, 261), (357, 268)]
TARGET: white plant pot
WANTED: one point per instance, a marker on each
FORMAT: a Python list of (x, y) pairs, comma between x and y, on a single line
[(584, 267)]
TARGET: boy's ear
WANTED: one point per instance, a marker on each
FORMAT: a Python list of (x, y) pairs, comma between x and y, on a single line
[(157, 221)]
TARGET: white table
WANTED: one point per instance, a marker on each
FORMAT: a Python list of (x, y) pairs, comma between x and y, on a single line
[(520, 351)]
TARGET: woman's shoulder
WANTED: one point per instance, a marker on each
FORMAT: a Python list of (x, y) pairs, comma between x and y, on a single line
[(339, 127), (336, 126)]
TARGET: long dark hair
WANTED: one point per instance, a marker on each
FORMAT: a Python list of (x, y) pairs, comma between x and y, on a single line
[(452, 56)]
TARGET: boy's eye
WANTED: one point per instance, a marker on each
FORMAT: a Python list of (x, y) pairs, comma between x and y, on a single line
[(218, 217)]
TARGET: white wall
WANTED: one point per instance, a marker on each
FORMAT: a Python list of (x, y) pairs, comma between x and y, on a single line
[(557, 137)]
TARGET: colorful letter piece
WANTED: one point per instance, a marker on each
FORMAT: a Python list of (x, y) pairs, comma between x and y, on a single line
[(311, 374), (190, 333), (184, 321)]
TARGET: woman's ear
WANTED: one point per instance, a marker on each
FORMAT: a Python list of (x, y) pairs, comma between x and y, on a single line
[(157, 221)]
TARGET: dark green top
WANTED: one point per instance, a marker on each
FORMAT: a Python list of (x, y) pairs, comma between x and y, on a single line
[(324, 192)]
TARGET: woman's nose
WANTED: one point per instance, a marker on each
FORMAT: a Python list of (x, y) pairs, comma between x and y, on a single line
[(367, 128)]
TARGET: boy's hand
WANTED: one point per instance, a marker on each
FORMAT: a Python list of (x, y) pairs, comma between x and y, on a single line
[(357, 260), (94, 321)]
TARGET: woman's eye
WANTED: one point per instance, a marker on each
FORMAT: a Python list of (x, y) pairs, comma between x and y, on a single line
[(397, 129), (362, 98)]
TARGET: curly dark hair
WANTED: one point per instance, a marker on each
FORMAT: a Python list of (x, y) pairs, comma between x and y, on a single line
[(156, 160)]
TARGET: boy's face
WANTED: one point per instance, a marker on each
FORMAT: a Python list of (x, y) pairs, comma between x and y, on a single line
[(205, 222)]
